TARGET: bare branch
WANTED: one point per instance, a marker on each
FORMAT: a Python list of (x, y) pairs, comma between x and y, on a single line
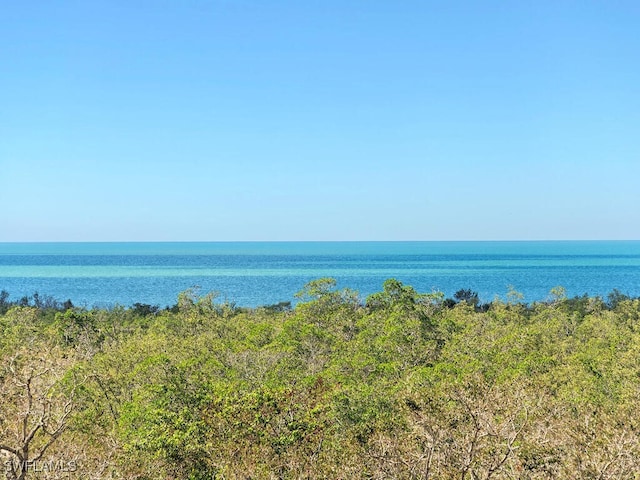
[(13, 451)]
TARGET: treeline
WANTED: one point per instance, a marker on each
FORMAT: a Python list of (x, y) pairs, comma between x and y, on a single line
[(41, 302), (398, 385), (48, 304)]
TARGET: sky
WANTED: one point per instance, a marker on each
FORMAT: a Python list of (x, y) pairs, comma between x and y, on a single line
[(234, 120)]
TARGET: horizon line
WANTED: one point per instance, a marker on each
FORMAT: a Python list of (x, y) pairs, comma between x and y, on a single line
[(331, 241)]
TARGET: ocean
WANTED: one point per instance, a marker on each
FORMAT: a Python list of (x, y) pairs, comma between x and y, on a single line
[(261, 273)]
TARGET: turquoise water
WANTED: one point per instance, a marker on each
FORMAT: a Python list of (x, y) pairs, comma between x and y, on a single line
[(259, 273)]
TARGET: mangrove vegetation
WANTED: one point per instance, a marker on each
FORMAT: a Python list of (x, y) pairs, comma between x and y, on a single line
[(398, 385)]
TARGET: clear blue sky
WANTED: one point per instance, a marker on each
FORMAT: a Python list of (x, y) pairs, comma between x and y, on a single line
[(319, 120)]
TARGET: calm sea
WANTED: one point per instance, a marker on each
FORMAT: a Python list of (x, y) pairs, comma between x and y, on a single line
[(260, 273)]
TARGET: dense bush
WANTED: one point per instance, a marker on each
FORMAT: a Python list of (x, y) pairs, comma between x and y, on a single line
[(397, 385)]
